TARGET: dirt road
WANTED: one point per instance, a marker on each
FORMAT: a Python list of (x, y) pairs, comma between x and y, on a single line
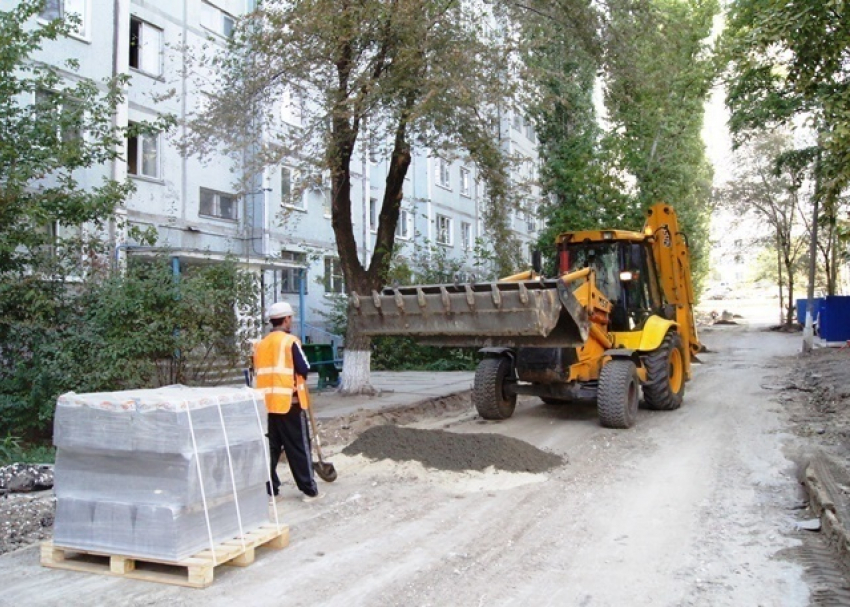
[(690, 507)]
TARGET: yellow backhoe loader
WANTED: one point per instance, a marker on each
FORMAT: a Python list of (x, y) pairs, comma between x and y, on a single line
[(617, 320)]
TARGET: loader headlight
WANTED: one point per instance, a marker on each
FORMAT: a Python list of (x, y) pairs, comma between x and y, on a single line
[(626, 276), (607, 235)]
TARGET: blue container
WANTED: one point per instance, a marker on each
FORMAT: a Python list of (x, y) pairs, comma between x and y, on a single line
[(835, 318), (801, 309)]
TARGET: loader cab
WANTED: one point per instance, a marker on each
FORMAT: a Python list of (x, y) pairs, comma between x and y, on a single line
[(626, 275)]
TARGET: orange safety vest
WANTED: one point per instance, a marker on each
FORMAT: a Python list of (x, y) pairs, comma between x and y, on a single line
[(275, 372)]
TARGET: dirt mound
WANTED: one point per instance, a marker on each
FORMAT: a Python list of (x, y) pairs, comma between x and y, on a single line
[(450, 451)]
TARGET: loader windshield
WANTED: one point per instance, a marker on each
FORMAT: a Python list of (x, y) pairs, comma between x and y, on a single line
[(604, 260), (634, 297)]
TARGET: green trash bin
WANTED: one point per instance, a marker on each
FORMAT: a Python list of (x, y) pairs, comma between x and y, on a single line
[(321, 359)]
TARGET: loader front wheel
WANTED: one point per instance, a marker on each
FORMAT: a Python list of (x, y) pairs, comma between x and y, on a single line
[(665, 375), (617, 397), (488, 392)]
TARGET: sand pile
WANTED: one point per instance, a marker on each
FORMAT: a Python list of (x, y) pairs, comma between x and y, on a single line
[(449, 451)]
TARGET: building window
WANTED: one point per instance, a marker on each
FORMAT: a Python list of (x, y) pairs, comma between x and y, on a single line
[(66, 112), (216, 20), (333, 276), (466, 235), (218, 204), (143, 154), (402, 229), (373, 214), (517, 123), (289, 279), (291, 190), (59, 9), (465, 182), (145, 47), (530, 222), (444, 230), (442, 172)]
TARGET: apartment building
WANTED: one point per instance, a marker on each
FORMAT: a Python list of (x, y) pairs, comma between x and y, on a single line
[(270, 225)]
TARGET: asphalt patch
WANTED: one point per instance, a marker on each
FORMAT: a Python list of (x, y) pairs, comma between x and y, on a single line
[(450, 451)]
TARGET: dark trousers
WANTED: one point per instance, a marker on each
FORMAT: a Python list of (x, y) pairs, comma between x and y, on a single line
[(288, 433)]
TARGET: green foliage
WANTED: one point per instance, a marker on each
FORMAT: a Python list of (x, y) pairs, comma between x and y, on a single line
[(14, 450), (787, 65), (140, 329), (51, 126), (404, 354)]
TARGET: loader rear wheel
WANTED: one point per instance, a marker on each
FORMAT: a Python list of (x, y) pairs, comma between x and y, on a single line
[(617, 397), (488, 392), (665, 375)]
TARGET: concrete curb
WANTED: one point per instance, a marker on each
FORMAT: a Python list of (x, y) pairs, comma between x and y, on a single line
[(822, 488)]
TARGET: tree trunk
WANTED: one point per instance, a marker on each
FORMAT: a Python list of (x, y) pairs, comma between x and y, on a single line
[(780, 281), (358, 355)]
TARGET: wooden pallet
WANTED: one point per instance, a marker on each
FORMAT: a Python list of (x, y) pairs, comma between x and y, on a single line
[(195, 571)]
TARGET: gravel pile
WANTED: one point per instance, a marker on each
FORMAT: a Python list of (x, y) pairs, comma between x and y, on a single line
[(24, 519), (454, 452), (25, 477)]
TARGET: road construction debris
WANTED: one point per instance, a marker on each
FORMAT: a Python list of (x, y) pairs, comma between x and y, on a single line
[(25, 478), (451, 451)]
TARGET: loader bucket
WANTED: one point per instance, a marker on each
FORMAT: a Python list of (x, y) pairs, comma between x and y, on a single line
[(528, 313)]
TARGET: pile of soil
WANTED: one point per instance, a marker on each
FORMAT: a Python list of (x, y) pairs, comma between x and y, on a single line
[(454, 452), (818, 398)]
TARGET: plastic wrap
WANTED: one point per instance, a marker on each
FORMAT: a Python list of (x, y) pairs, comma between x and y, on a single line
[(154, 473)]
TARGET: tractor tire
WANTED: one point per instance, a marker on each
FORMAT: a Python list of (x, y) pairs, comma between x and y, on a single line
[(665, 375), (618, 395), (488, 394)]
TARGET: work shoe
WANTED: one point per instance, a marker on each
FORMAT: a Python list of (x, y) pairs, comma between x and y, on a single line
[(312, 498)]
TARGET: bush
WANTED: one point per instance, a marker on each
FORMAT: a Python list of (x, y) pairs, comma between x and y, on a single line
[(141, 329)]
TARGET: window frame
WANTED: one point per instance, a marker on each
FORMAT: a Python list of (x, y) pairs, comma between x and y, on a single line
[(139, 154), (444, 229), (63, 100), (61, 11), (334, 282), (465, 182), (442, 174), (223, 17), (402, 228), (217, 194), (142, 66), (466, 235), (295, 198)]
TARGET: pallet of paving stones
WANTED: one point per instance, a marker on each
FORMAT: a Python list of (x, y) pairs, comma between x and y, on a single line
[(196, 571)]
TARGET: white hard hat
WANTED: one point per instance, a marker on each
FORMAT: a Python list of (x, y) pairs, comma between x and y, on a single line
[(280, 309)]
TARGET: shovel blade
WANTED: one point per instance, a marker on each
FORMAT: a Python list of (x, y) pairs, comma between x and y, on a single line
[(325, 471)]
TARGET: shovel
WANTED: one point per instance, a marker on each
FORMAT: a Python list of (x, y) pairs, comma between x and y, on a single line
[(325, 470)]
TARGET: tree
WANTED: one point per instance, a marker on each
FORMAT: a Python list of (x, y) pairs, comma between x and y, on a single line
[(578, 175), (658, 72), (787, 62), (408, 72), (767, 184), (51, 129)]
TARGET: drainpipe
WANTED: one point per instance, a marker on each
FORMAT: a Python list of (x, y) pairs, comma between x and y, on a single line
[(301, 304), (120, 66)]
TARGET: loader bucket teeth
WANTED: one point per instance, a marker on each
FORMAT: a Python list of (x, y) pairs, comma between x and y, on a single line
[(521, 313)]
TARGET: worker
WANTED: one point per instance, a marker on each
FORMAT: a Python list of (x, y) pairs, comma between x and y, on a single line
[(281, 369)]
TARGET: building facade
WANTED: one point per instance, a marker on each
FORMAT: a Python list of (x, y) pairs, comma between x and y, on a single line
[(272, 227)]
